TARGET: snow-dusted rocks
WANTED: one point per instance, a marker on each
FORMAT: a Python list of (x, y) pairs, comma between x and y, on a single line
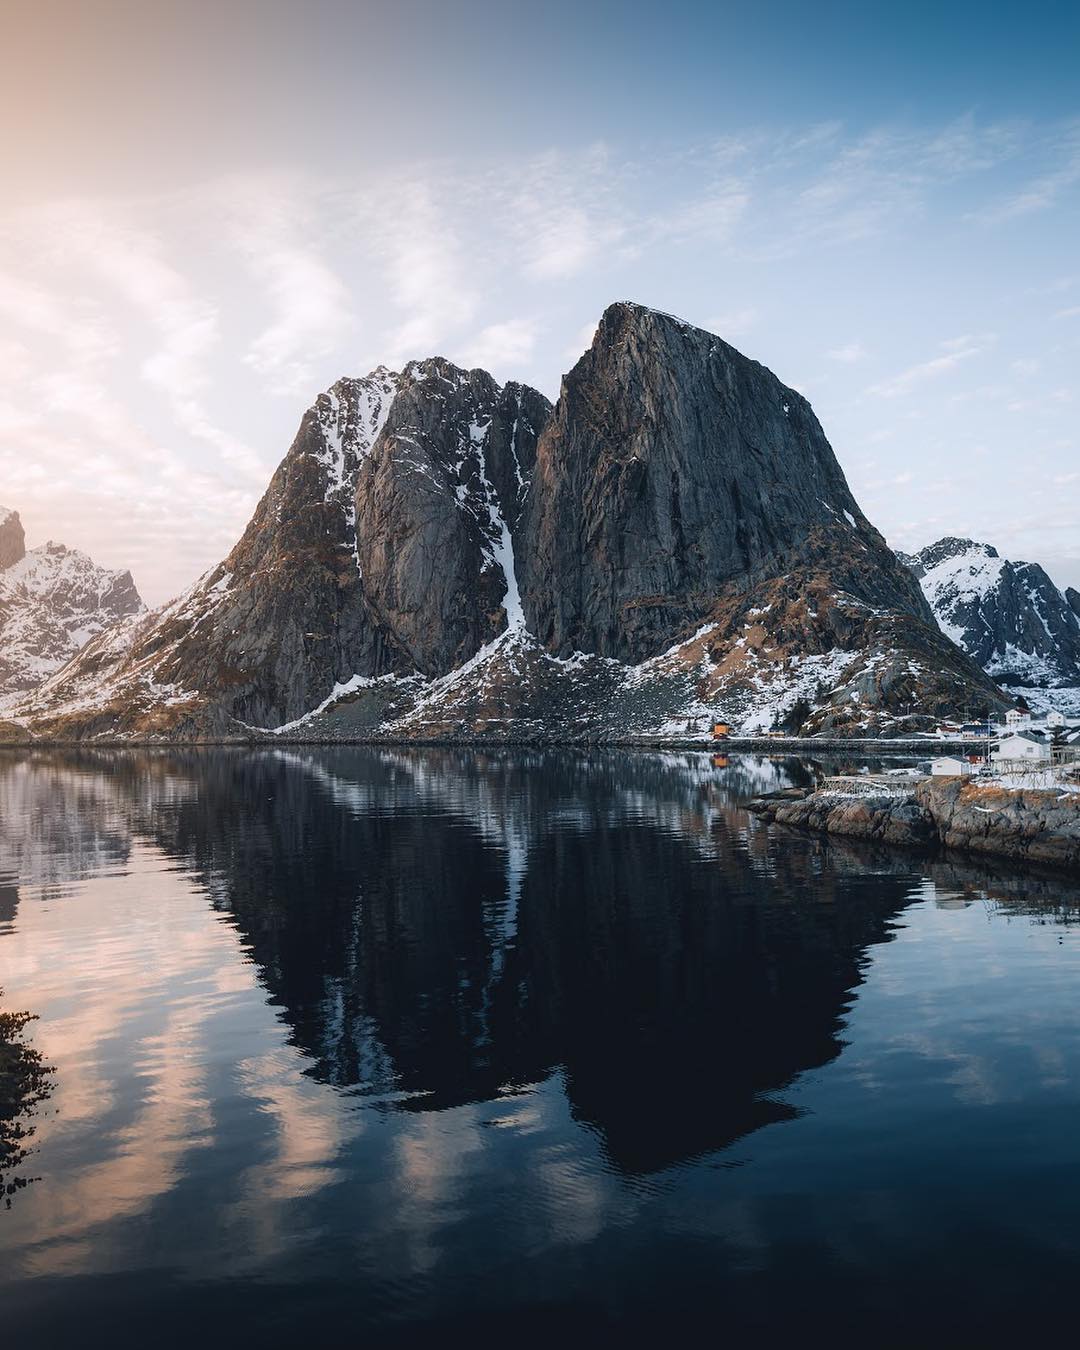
[(53, 600), (380, 549), (1008, 616), (437, 508), (439, 556)]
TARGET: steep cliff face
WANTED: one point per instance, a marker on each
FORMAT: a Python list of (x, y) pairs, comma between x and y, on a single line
[(684, 497), (438, 555), (675, 472), (53, 600), (381, 548), (1008, 616), (437, 507)]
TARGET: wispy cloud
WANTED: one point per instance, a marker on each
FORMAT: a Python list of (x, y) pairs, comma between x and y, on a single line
[(106, 247), (848, 354), (1045, 189), (142, 335), (734, 324), (274, 225), (955, 351), (562, 212), (502, 346), (416, 241)]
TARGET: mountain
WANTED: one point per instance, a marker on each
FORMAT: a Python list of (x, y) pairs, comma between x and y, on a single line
[(53, 600), (12, 538), (441, 556), (1008, 616)]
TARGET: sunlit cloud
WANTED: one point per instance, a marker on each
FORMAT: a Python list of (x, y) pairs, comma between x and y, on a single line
[(507, 345), (159, 350)]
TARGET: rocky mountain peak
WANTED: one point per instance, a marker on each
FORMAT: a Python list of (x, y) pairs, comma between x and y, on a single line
[(675, 468), (1009, 616), (437, 509), (446, 555), (12, 538), (53, 600), (947, 550)]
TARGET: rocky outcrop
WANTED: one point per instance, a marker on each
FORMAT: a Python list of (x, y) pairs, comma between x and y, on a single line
[(675, 473), (1035, 825), (381, 548), (12, 538), (1028, 824), (437, 554), (53, 600), (1008, 616), (682, 490), (437, 507), (888, 819)]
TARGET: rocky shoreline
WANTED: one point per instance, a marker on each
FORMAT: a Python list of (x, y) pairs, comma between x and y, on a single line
[(1024, 824)]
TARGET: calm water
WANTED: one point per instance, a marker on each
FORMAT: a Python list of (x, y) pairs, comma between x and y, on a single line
[(353, 1045)]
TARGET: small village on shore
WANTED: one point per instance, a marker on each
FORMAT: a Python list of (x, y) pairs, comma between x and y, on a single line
[(1010, 789)]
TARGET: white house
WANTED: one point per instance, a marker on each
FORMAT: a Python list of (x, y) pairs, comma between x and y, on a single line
[(1022, 746), (1015, 718), (949, 766), (1055, 719)]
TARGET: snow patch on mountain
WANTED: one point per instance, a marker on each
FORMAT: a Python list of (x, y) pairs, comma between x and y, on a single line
[(1009, 616), (53, 601), (351, 415)]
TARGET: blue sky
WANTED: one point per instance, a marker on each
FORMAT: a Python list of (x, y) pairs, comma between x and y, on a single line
[(208, 217)]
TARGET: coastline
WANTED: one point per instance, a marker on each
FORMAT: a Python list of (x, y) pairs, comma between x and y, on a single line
[(1037, 825), (906, 746)]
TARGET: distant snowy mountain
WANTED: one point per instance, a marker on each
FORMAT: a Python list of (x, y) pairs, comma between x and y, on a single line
[(53, 600), (1008, 616)]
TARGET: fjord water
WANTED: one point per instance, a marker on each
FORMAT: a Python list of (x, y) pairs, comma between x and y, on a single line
[(362, 1045)]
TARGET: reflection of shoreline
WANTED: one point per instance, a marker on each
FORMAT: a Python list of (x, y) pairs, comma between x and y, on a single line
[(1030, 891), (26, 1082), (440, 927), (338, 1021)]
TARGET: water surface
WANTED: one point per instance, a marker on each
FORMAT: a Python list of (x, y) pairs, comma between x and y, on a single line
[(361, 1045)]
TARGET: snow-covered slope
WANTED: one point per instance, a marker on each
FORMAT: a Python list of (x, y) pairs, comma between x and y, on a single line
[(53, 600), (442, 556), (1008, 616)]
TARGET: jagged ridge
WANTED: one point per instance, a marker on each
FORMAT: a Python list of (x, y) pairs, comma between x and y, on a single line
[(1008, 616), (442, 555), (52, 601)]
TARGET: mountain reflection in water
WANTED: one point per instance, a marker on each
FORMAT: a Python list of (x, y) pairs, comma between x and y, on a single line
[(423, 1038)]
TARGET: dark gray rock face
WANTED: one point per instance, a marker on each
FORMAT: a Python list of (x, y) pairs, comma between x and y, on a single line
[(378, 548), (12, 538), (270, 631), (674, 469), (437, 507), (419, 515), (1008, 616)]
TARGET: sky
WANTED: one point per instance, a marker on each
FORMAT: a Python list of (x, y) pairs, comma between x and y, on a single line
[(212, 211)]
